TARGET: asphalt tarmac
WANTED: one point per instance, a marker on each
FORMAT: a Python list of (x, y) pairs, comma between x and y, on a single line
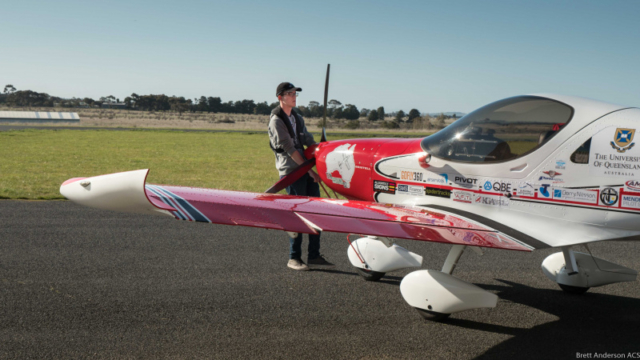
[(83, 283)]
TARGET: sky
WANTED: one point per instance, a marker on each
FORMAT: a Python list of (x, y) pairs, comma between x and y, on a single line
[(435, 56)]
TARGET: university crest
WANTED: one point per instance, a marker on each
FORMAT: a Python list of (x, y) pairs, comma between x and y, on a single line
[(622, 140)]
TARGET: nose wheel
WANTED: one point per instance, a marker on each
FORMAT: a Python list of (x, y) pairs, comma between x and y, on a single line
[(575, 290)]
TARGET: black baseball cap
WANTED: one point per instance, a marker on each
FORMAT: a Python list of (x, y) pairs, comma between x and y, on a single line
[(286, 86)]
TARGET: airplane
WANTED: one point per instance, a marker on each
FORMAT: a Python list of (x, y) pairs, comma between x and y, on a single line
[(523, 173)]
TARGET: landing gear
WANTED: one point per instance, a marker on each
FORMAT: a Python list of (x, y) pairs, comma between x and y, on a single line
[(432, 315), (369, 275), (374, 257), (437, 294), (575, 290), (576, 272)]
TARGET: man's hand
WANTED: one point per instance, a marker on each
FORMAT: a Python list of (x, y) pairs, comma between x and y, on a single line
[(314, 176)]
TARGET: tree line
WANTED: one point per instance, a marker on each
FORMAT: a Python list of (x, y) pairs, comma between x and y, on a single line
[(335, 109)]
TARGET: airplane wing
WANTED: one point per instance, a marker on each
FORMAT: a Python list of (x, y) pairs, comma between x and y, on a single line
[(129, 192)]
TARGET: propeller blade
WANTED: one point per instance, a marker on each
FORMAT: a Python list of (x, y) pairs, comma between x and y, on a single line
[(324, 117), (292, 177)]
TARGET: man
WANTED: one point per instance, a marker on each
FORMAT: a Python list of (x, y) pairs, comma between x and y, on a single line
[(287, 135)]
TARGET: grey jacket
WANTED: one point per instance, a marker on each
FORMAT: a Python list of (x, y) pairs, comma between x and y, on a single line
[(282, 142)]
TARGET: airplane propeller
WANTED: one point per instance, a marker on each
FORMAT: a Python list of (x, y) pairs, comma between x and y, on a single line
[(309, 153)]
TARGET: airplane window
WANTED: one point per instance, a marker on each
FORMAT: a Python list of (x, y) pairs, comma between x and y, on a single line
[(501, 131), (581, 155)]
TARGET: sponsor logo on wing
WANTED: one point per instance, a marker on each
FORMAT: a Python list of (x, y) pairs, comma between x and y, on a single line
[(185, 210), (410, 189), (497, 186), (551, 175), (560, 164), (609, 196), (526, 189), (623, 139), (489, 200), (465, 182), (429, 191), (632, 185), (438, 179), (631, 201), (411, 176), (462, 196), (384, 186), (544, 190), (583, 196)]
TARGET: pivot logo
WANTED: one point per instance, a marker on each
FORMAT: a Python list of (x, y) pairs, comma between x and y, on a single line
[(463, 181), (497, 186), (544, 190), (609, 196)]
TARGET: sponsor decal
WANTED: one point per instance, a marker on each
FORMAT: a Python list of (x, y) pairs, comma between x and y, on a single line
[(551, 175), (384, 186), (411, 176), (617, 158), (500, 201), (340, 165), (609, 196), (437, 192), (439, 179), (526, 189), (462, 196), (631, 201), (632, 185), (498, 186), (582, 196), (623, 139), (465, 181), (410, 189), (544, 190), (560, 164)]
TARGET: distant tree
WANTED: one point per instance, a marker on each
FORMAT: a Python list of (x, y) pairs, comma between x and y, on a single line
[(202, 104), (413, 113), (373, 115), (364, 112), (214, 104), (262, 109), (9, 89), (399, 116), (351, 112), (90, 101), (333, 103), (381, 113), (338, 113)]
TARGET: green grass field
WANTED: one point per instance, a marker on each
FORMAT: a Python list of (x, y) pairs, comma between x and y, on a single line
[(34, 163)]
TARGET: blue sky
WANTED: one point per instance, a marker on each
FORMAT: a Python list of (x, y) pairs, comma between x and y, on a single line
[(430, 55)]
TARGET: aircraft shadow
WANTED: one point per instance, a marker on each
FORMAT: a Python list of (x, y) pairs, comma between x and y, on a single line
[(587, 323)]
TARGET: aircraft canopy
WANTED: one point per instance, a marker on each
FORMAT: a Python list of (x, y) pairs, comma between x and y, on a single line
[(501, 131)]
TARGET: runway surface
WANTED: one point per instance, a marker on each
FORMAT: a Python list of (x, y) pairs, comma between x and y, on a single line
[(83, 283)]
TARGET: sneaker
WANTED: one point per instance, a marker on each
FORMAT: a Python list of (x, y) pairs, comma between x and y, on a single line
[(297, 264), (320, 260)]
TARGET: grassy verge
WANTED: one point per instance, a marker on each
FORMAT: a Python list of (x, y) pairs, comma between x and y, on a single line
[(33, 163)]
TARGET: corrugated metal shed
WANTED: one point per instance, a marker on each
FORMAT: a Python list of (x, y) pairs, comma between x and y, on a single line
[(38, 116)]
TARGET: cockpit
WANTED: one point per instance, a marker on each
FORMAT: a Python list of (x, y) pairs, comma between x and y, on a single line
[(501, 131)]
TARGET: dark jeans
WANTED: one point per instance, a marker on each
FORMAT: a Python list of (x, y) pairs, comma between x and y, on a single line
[(305, 186)]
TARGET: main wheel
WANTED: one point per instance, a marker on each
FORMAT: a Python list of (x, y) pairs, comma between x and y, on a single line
[(576, 290), (370, 275), (432, 315)]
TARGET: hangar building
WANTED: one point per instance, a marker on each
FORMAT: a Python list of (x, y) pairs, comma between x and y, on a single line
[(38, 116)]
